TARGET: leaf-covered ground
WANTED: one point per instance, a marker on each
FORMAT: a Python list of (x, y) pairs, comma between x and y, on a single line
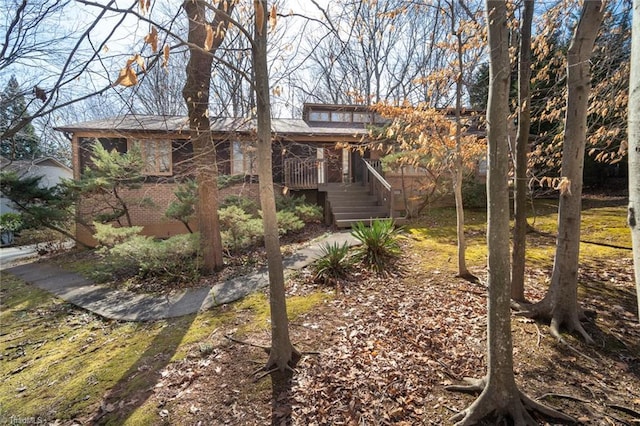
[(379, 351)]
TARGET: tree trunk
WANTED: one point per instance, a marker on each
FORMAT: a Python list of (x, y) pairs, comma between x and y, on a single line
[(520, 161), (196, 95), (463, 272), (634, 145), (560, 304), (283, 356), (500, 397)]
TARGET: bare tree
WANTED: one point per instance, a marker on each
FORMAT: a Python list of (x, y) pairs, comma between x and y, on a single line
[(500, 397), (520, 156), (160, 89), (372, 51), (560, 304), (27, 36), (282, 356), (634, 146), (461, 44), (58, 63)]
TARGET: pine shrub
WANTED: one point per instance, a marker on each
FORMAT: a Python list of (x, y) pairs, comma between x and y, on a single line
[(239, 229), (308, 212), (288, 221)]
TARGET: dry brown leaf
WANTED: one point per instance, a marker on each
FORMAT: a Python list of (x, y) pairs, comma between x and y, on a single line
[(208, 41), (165, 56), (152, 39), (564, 186), (273, 17), (126, 78), (140, 61)]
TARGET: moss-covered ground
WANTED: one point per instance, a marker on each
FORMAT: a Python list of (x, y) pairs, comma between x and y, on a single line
[(62, 363)]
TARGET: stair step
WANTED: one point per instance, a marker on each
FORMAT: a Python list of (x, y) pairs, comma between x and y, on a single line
[(338, 187), (360, 215), (354, 203), (358, 209), (348, 223), (348, 195)]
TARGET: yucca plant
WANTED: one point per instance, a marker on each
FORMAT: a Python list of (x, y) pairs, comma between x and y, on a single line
[(334, 264), (379, 245)]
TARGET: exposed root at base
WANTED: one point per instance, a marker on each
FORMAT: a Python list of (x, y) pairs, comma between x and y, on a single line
[(545, 313), (485, 408), (468, 276), (272, 367)]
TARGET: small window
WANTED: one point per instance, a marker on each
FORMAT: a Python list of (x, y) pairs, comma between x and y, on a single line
[(362, 117), (243, 158), (318, 116), (341, 117), (156, 154)]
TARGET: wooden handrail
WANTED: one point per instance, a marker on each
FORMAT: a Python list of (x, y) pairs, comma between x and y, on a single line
[(379, 187)]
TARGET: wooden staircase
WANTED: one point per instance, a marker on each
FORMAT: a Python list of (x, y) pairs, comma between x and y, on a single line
[(351, 203)]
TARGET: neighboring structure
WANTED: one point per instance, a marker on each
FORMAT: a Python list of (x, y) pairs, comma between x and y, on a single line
[(51, 170), (310, 157)]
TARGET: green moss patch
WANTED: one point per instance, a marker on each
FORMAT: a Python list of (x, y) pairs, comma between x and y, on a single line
[(258, 304), (60, 362)]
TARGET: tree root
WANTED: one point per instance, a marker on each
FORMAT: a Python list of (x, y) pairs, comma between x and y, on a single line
[(485, 407), (561, 395), (271, 368), (468, 276), (268, 370), (539, 311), (267, 349), (626, 410), (473, 385)]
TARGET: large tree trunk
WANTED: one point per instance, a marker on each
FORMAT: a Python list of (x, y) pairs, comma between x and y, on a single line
[(634, 145), (283, 356), (196, 95), (560, 304), (520, 157), (500, 397)]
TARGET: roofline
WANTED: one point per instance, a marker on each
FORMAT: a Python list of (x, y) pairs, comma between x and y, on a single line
[(39, 160), (130, 129)]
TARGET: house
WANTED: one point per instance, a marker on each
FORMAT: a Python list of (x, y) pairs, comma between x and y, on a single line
[(311, 156), (51, 170)]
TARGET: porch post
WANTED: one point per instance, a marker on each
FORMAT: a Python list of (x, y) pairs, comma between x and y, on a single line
[(321, 165)]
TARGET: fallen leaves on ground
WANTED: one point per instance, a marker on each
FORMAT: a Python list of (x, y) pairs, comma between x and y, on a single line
[(387, 347)]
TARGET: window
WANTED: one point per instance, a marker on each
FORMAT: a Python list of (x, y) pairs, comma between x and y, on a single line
[(341, 117), (361, 117), (156, 155), (318, 116), (243, 158)]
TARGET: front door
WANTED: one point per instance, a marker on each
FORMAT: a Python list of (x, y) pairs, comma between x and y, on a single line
[(333, 159)]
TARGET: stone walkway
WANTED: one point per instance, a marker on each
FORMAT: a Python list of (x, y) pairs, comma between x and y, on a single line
[(128, 306)]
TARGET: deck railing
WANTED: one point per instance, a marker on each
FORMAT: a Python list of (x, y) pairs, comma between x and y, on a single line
[(304, 173), (378, 186)]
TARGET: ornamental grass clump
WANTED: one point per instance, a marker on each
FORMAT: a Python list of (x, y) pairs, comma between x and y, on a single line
[(334, 264), (379, 247)]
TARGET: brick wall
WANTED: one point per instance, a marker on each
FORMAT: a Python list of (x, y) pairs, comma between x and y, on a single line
[(152, 217)]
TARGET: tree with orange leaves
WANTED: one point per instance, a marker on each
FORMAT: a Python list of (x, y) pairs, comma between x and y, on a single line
[(443, 138), (437, 142)]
